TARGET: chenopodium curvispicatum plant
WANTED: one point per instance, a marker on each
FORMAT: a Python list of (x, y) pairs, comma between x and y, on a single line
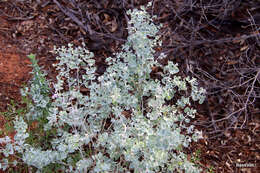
[(127, 121), (38, 92)]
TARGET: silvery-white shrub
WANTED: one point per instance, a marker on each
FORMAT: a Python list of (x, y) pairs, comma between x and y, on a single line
[(125, 122)]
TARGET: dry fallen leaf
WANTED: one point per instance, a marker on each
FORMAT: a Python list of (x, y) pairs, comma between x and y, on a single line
[(243, 48), (114, 25)]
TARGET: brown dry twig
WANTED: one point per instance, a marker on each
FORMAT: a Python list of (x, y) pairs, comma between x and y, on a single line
[(93, 35), (249, 94), (74, 18)]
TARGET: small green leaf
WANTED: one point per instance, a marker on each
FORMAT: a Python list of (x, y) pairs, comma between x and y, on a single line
[(31, 56)]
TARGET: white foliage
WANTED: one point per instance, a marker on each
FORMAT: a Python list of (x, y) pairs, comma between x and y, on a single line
[(144, 141)]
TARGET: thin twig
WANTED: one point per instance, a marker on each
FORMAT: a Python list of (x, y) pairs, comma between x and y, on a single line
[(200, 42), (249, 94), (74, 18)]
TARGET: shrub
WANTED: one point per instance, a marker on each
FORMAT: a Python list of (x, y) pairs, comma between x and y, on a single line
[(125, 122)]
